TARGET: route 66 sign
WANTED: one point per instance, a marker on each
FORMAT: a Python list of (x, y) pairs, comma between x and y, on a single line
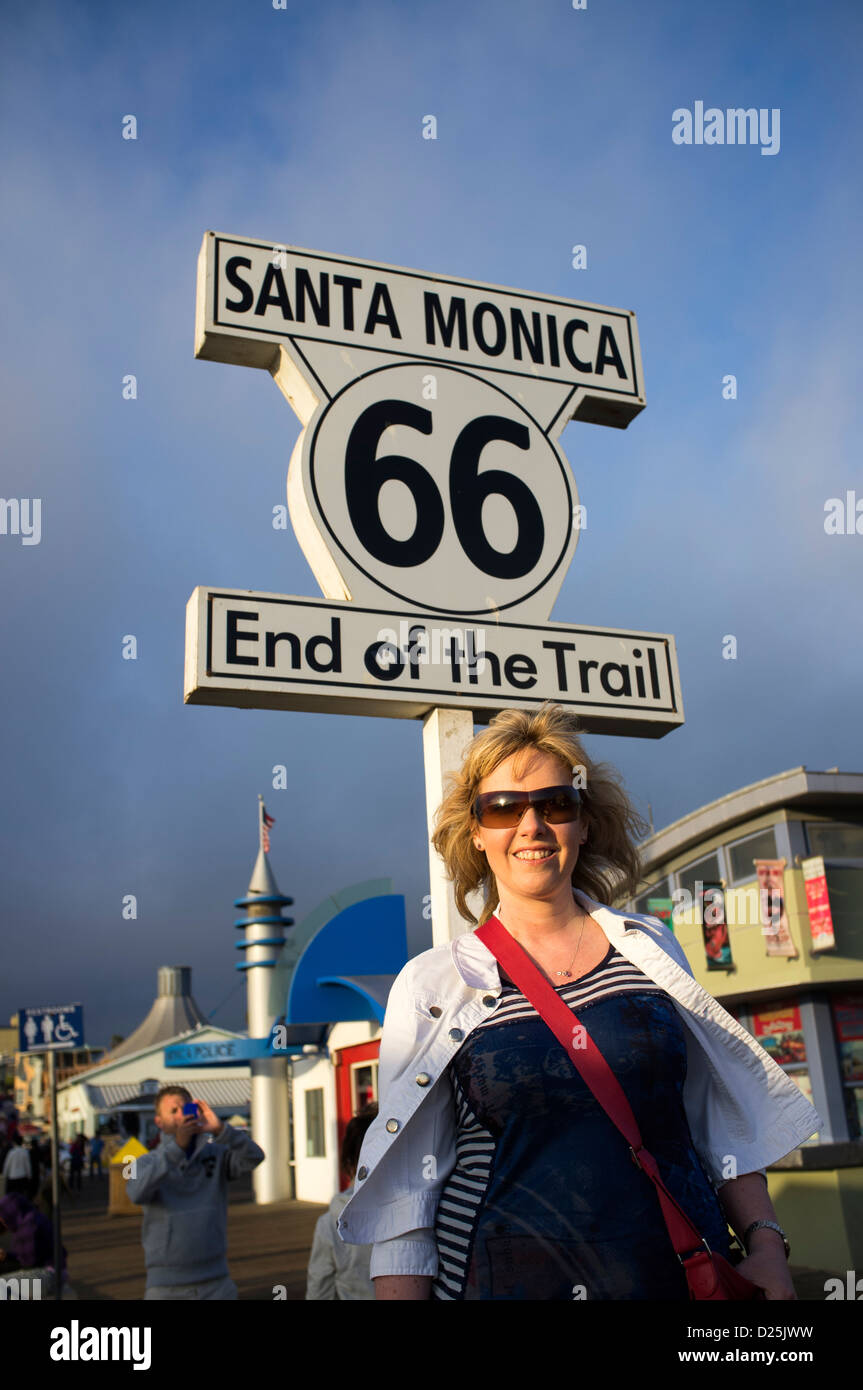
[(428, 470), (427, 486)]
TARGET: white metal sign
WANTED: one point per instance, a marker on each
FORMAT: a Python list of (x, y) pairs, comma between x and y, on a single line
[(427, 490), (428, 470), (274, 651)]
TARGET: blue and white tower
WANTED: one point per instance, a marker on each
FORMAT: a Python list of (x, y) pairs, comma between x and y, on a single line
[(262, 947)]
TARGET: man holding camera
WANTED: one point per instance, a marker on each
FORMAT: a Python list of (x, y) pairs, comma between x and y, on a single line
[(182, 1186)]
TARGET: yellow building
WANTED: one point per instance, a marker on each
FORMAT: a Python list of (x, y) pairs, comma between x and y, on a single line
[(764, 890)]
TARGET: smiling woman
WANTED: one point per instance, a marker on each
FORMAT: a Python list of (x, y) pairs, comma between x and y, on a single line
[(511, 1181), (519, 751)]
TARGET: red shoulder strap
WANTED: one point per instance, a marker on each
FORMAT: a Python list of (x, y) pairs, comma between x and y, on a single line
[(598, 1076)]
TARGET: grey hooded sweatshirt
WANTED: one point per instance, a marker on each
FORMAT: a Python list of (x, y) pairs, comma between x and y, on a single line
[(185, 1201)]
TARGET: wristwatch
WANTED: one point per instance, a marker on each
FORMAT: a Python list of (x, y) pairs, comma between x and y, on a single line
[(770, 1225)]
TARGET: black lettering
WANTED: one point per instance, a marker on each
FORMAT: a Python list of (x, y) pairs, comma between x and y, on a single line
[(274, 277), (320, 303), (654, 674), (553, 354), (387, 315), (348, 285), (416, 649), (247, 297), (622, 671), (490, 349), (271, 641), (457, 317), (611, 357), (455, 655), (559, 648), (371, 661), (234, 635), (574, 326), (518, 665), (471, 654), (519, 331), (584, 669), (639, 674), (334, 642), (494, 663)]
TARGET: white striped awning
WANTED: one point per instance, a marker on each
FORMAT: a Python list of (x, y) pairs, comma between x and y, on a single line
[(220, 1093)]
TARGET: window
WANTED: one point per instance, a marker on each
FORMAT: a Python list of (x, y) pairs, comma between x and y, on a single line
[(780, 1032), (742, 852), (700, 871), (315, 1147), (848, 1024), (834, 840), (639, 904), (364, 1084)]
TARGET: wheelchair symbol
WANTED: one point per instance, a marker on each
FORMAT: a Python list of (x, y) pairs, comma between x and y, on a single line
[(63, 1031)]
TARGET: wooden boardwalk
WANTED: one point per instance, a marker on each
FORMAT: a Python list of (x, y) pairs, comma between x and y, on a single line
[(268, 1246)]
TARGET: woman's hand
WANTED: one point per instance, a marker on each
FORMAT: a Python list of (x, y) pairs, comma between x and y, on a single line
[(767, 1268), (745, 1200)]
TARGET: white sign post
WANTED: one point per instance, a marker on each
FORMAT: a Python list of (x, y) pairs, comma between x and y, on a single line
[(431, 499)]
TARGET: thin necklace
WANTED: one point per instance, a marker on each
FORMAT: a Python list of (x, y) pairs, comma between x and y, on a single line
[(577, 949)]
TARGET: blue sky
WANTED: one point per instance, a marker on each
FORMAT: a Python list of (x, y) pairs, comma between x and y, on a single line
[(303, 126)]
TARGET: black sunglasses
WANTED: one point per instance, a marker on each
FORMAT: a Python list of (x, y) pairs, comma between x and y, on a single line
[(501, 810)]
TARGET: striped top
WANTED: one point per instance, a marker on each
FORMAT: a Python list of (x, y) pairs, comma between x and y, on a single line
[(533, 1207)]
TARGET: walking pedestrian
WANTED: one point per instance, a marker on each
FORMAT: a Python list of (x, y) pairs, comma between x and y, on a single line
[(16, 1168), (35, 1167), (76, 1162), (97, 1144)]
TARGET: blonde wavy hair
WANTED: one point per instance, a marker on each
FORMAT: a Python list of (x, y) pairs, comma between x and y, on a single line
[(609, 864)]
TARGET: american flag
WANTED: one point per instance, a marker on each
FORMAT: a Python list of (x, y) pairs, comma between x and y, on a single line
[(266, 822)]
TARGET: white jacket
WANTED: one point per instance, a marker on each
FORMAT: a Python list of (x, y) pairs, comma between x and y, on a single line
[(743, 1111)]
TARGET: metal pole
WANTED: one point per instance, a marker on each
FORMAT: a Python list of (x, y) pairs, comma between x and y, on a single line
[(446, 734), (55, 1178)]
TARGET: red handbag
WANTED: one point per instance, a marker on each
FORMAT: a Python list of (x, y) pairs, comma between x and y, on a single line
[(708, 1274)]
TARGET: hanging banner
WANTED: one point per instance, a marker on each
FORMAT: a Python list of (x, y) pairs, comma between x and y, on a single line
[(780, 1033), (714, 927), (662, 908), (848, 1013), (774, 921), (818, 902)]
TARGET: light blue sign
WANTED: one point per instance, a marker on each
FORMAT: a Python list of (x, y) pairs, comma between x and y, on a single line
[(52, 1028), (226, 1052)]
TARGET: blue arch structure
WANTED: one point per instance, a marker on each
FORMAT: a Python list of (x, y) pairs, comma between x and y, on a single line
[(345, 973)]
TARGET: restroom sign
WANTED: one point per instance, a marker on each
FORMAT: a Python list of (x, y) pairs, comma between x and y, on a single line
[(51, 1028), (426, 487)]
